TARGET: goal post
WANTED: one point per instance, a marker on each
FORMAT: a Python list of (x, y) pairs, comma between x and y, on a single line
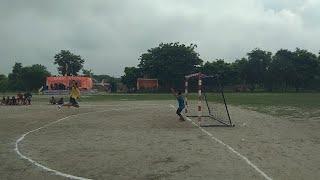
[(211, 109)]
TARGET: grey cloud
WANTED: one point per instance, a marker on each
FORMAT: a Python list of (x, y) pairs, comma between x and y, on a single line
[(113, 34)]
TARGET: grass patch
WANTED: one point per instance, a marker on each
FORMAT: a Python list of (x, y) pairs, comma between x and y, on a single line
[(281, 104), (301, 100), (293, 105)]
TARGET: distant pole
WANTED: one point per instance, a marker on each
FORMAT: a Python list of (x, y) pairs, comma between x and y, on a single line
[(66, 74)]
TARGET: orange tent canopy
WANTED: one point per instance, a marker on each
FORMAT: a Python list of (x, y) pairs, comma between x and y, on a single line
[(66, 81)]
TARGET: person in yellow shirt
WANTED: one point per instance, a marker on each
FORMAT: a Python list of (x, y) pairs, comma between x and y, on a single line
[(74, 95)]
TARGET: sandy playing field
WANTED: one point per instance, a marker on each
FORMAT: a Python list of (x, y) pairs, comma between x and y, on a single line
[(145, 140)]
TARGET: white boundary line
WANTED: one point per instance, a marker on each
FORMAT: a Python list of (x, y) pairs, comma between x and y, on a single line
[(56, 172), (230, 148)]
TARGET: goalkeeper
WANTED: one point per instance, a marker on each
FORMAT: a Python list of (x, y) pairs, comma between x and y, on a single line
[(181, 104)]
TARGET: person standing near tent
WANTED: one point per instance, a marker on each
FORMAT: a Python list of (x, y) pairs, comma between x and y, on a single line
[(74, 95), (181, 103)]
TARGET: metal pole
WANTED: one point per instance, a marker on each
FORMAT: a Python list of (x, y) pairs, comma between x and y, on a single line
[(206, 99), (199, 98), (186, 95), (224, 99)]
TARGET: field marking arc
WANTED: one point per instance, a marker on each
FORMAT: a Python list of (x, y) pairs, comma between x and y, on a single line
[(55, 172), (230, 148)]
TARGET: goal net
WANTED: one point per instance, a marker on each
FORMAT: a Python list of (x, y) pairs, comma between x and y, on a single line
[(211, 109)]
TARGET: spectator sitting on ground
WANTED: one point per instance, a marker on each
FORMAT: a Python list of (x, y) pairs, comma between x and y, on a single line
[(3, 101), (61, 101), (8, 100), (52, 100), (13, 101), (19, 98), (28, 97), (23, 100)]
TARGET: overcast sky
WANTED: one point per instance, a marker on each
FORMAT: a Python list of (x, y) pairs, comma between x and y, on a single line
[(112, 34)]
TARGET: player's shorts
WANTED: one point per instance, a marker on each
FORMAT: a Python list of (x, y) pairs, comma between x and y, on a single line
[(179, 110), (73, 101)]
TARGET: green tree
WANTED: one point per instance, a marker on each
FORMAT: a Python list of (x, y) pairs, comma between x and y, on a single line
[(3, 83), (257, 68), (27, 78), (131, 74), (306, 65), (316, 82), (219, 67), (88, 73), (33, 77), (68, 63), (113, 84), (169, 63), (240, 66), (15, 78), (282, 69)]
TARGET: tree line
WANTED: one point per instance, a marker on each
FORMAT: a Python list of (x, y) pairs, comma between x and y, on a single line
[(26, 78), (31, 78), (259, 70)]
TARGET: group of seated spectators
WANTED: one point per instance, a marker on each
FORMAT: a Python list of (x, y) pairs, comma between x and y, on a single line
[(20, 99), (53, 101), (58, 87)]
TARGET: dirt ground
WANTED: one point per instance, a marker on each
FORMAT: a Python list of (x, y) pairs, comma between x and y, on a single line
[(145, 140)]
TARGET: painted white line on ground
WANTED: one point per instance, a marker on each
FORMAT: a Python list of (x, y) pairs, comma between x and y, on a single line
[(56, 172), (230, 148)]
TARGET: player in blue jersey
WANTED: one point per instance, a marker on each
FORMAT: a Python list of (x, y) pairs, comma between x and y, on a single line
[(181, 104)]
